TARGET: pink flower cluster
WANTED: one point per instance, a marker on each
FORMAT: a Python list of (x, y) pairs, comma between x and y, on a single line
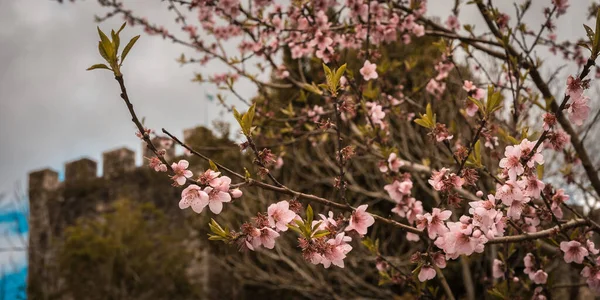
[(393, 164), (522, 184), (443, 180), (215, 193), (406, 206), (267, 229), (537, 276), (578, 108)]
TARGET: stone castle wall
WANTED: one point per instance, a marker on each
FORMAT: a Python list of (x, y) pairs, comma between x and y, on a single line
[(54, 205)]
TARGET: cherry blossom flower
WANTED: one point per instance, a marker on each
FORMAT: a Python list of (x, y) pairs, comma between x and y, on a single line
[(561, 6), (360, 220), (512, 162), (528, 261), (337, 250), (394, 162), (193, 196), (369, 71), (434, 222), (280, 215), (538, 277), (408, 208), (509, 192), (574, 251), (235, 193), (557, 199), (578, 110), (591, 247), (376, 114), (452, 23), (181, 172), (263, 237), (412, 237), (498, 269), (461, 239), (442, 180), (418, 30), (397, 190), (156, 164), (216, 198), (427, 272)]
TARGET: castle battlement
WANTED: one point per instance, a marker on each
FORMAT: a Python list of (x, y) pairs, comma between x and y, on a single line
[(115, 162)]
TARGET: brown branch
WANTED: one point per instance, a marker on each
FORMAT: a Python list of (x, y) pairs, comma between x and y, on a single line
[(540, 234)]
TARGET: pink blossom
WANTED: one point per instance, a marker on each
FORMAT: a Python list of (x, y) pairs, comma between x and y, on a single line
[(397, 190), (578, 109), (337, 251), (181, 172), (376, 114), (498, 269), (574, 87), (561, 6), (536, 157), (512, 161), (418, 30), (557, 199), (409, 208), (461, 239), (538, 277), (263, 237), (427, 272), (509, 192), (193, 196), (452, 23), (528, 261), (412, 237), (360, 220), (443, 180), (369, 71), (394, 162), (574, 251), (156, 164), (516, 208), (434, 222), (469, 86), (216, 198), (532, 186), (235, 193), (591, 247), (280, 215)]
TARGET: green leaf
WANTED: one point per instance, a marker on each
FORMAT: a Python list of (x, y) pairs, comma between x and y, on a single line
[(213, 166), (128, 47), (589, 32), (321, 233), (116, 41), (246, 120), (121, 28), (478, 103), (314, 227), (339, 73), (312, 88), (103, 52), (296, 229), (106, 44), (309, 215), (237, 116), (422, 123), (98, 66), (540, 171)]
